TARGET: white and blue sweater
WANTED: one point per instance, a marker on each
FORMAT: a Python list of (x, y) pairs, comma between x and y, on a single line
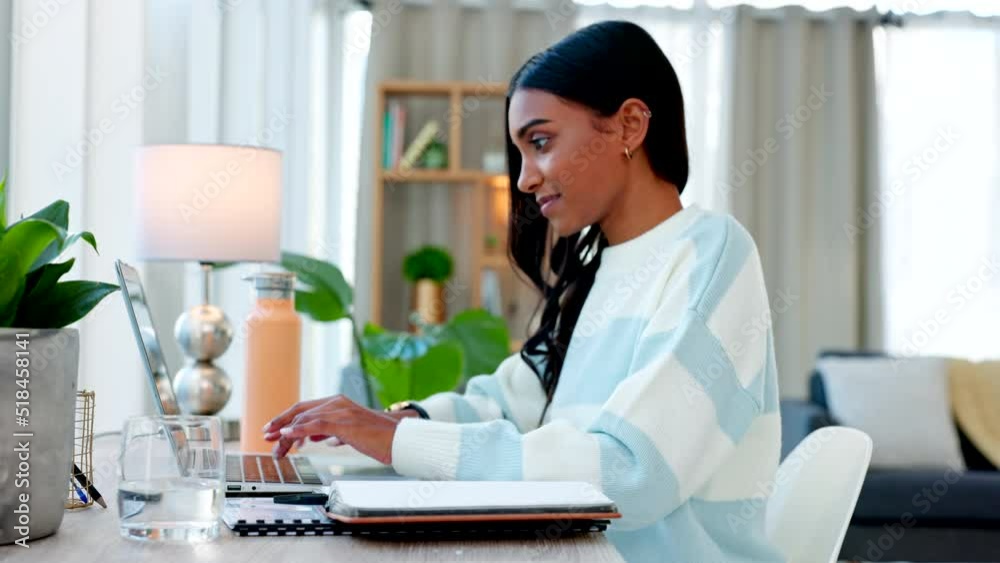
[(667, 400)]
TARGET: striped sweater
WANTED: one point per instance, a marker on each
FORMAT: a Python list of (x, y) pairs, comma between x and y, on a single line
[(667, 401)]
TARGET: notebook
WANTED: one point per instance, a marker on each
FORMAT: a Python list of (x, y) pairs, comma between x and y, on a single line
[(431, 509), (436, 501), (259, 516)]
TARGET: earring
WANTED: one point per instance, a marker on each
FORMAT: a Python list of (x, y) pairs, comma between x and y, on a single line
[(647, 113), (628, 153)]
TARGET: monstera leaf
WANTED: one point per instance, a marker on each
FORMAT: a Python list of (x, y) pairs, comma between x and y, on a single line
[(410, 366)]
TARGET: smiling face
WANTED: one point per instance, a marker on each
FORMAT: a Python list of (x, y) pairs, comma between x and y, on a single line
[(572, 160)]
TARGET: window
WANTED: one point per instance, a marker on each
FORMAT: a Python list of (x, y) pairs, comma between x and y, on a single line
[(940, 183), (339, 42)]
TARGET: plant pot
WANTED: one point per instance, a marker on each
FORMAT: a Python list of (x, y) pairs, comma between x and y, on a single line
[(428, 301), (53, 359)]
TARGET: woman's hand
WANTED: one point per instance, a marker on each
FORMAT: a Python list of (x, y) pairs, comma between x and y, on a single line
[(368, 431)]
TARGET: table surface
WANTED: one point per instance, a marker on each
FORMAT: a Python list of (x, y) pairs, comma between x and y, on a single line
[(92, 534)]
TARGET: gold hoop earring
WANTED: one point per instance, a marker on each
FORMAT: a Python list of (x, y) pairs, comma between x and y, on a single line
[(628, 153)]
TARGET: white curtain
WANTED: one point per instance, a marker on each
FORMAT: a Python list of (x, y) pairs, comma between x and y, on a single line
[(258, 72), (941, 185), (7, 30), (801, 163), (76, 64)]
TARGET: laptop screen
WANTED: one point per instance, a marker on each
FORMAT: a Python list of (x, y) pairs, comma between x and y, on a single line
[(145, 336)]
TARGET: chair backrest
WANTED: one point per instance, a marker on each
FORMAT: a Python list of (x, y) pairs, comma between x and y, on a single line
[(815, 491)]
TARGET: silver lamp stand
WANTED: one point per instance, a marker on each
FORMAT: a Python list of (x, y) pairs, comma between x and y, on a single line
[(204, 333)]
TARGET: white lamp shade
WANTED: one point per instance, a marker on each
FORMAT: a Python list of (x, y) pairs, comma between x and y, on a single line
[(208, 203)]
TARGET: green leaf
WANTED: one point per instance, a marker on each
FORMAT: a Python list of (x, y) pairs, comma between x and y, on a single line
[(42, 279), (8, 313), (410, 366), (483, 337), (319, 306), (11, 289), (55, 249), (89, 237), (27, 239), (390, 379), (56, 212), (63, 304), (320, 276), (372, 329), (440, 369), (31, 295)]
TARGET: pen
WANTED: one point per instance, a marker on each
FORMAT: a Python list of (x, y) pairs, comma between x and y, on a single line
[(79, 493), (82, 479)]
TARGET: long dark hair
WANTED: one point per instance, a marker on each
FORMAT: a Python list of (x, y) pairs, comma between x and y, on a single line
[(599, 67)]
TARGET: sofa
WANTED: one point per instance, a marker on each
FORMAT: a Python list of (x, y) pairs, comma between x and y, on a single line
[(899, 515)]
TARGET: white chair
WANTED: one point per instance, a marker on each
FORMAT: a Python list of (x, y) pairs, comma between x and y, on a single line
[(815, 491)]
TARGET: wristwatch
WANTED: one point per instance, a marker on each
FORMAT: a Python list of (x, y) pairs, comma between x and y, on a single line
[(408, 405)]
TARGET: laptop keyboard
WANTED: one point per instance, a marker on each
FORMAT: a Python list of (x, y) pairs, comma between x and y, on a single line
[(266, 469)]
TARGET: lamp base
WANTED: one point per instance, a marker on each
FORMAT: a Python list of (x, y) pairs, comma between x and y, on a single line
[(203, 332), (202, 388)]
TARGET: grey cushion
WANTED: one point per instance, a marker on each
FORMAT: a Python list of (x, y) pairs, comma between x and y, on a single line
[(974, 459), (972, 497), (817, 394)]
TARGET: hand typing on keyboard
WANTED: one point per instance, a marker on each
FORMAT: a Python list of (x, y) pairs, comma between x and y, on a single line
[(369, 431)]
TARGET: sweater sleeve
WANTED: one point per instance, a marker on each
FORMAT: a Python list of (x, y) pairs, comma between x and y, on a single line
[(659, 437), (666, 429), (513, 392)]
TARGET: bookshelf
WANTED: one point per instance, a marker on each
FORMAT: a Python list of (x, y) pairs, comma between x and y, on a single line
[(486, 186)]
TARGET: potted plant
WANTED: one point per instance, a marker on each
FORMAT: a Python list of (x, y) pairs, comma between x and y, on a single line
[(38, 366), (398, 365), (428, 268)]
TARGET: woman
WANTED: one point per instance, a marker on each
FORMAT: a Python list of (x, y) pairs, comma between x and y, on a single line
[(652, 371)]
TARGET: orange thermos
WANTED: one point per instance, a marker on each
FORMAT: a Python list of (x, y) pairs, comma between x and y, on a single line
[(273, 356)]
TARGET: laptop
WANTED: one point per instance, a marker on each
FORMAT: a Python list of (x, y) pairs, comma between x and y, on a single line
[(246, 474)]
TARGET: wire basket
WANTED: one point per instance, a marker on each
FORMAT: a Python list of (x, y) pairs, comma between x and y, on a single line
[(83, 453)]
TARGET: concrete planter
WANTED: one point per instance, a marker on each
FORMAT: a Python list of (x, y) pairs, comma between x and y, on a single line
[(53, 356)]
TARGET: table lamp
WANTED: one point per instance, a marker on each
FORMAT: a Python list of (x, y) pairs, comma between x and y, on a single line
[(207, 204)]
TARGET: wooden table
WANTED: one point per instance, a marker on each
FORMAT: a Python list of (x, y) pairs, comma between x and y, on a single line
[(91, 535)]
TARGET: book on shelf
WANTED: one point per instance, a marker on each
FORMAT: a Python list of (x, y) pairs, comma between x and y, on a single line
[(419, 144), (398, 132), (393, 134), (386, 138)]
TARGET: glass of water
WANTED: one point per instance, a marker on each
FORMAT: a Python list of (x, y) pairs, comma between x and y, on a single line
[(172, 480)]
